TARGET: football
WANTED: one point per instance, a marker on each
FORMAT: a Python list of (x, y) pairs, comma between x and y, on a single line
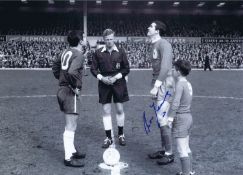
[(111, 156)]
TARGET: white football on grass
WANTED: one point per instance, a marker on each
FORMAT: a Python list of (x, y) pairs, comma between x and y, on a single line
[(111, 156)]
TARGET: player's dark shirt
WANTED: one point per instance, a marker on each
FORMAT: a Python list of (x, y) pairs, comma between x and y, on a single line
[(161, 57), (108, 64), (67, 68)]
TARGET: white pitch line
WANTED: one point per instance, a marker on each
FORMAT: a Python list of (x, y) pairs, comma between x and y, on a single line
[(219, 97), (26, 96), (132, 95)]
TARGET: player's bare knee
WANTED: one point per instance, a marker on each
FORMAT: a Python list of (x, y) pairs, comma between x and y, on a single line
[(71, 122), (182, 151), (106, 112), (119, 109), (182, 148), (106, 109), (70, 127), (119, 112)]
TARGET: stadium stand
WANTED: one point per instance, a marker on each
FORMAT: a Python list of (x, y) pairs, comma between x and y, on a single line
[(35, 54)]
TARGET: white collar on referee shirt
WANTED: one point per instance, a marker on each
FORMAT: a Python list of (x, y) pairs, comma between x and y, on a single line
[(113, 48)]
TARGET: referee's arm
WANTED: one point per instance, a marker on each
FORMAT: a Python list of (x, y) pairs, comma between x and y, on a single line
[(94, 67)]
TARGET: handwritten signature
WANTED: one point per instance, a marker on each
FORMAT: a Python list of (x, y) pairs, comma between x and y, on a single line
[(148, 122)]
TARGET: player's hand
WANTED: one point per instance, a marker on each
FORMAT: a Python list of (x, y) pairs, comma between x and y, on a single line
[(106, 80), (169, 122), (77, 91), (154, 92)]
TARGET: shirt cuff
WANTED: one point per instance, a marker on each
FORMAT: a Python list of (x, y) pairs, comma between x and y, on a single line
[(157, 83), (99, 76), (170, 119), (118, 76)]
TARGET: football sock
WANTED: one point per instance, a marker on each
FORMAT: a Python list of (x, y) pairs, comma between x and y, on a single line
[(108, 133), (190, 156), (107, 122), (68, 141), (120, 130), (162, 139), (166, 139), (185, 165)]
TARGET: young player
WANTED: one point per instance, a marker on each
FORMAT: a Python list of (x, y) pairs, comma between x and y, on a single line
[(180, 118)]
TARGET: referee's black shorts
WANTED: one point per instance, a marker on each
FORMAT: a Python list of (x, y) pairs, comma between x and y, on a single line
[(118, 91)]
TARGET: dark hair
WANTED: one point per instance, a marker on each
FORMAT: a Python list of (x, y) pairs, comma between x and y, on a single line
[(108, 32), (183, 66), (74, 37), (160, 26)]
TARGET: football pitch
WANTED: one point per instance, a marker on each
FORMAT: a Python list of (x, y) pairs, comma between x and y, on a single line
[(31, 125)]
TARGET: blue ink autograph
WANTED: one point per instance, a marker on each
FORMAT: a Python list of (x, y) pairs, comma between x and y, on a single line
[(148, 123)]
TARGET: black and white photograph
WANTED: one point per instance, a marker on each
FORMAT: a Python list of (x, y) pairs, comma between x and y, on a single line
[(136, 87)]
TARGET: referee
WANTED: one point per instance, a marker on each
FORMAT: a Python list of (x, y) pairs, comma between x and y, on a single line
[(110, 66)]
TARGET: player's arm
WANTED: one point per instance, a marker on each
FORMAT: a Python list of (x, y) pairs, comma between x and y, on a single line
[(166, 65), (75, 72), (125, 68), (176, 102), (56, 67)]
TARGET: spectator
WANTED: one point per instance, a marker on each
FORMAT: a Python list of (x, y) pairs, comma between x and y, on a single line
[(37, 54)]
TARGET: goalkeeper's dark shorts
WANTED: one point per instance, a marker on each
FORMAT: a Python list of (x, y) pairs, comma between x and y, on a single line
[(118, 92), (68, 101)]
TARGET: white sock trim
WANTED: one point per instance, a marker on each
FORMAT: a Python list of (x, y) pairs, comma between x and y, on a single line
[(69, 133), (68, 142), (120, 118), (107, 122)]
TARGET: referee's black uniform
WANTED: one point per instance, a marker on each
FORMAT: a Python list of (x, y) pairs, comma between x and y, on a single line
[(110, 64)]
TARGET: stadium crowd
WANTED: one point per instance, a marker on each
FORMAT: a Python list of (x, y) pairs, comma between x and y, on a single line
[(35, 54), (21, 54), (221, 55), (61, 23), (40, 54)]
